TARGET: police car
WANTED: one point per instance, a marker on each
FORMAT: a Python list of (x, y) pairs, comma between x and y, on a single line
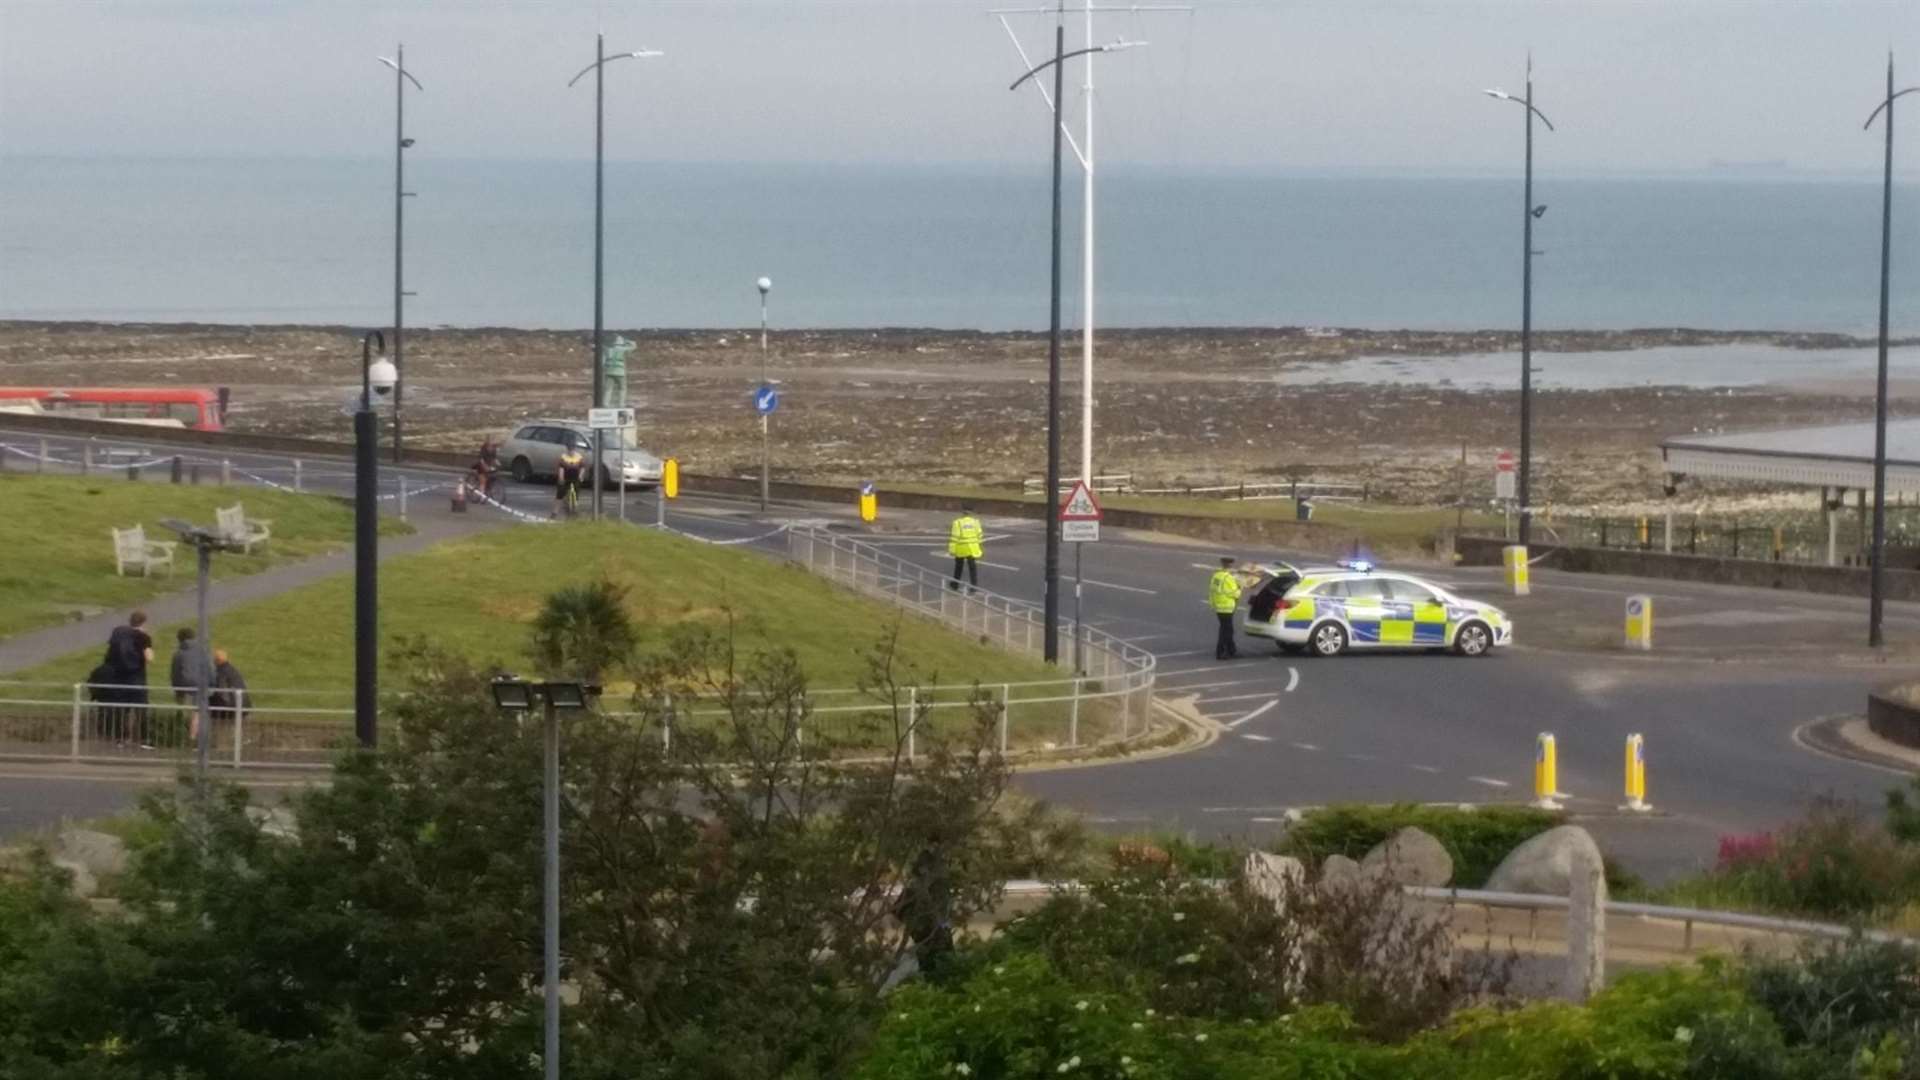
[(1326, 611)]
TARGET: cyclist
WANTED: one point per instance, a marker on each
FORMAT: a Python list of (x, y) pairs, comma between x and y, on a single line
[(487, 467), (566, 477)]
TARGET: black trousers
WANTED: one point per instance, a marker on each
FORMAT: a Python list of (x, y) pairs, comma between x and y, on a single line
[(970, 565), (1223, 646)]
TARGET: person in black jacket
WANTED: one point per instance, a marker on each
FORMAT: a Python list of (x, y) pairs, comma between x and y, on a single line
[(229, 698), (129, 649), (184, 674)]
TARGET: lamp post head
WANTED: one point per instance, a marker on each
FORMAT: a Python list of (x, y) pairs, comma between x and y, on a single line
[(765, 285), (1501, 94), (644, 53), (406, 144)]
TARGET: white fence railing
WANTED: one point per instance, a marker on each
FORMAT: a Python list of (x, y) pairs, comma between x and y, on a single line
[(1108, 484), (1110, 697), (1310, 490), (116, 723)]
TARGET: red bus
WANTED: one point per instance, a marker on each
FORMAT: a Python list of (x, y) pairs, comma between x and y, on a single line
[(198, 408)]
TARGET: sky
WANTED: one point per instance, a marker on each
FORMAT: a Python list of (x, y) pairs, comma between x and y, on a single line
[(1370, 86)]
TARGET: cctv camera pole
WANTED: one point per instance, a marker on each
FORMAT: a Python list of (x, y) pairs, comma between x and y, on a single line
[(401, 76), (1877, 603), (550, 899), (599, 288), (366, 551)]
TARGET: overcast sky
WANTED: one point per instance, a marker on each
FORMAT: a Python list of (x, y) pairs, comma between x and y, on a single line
[(1367, 85)]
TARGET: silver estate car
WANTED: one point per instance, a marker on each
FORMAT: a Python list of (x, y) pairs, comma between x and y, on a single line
[(534, 449)]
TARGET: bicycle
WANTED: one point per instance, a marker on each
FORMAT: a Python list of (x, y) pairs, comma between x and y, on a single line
[(567, 498)]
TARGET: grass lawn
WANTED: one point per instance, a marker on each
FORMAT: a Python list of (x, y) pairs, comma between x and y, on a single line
[(1409, 526), (55, 531), (476, 596)]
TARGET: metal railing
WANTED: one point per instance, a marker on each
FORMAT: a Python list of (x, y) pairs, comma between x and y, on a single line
[(1110, 696), (1108, 484), (1252, 491), (90, 722)]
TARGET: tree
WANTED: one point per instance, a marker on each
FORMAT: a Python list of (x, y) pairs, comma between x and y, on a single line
[(725, 899), (583, 632)]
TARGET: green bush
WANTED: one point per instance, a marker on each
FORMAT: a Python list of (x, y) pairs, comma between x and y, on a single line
[(1477, 838), (1834, 863)]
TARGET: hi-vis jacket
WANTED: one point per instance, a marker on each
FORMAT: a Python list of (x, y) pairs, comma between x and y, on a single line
[(1224, 592), (964, 541)]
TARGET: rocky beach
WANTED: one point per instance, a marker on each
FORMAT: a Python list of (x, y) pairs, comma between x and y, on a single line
[(902, 406)]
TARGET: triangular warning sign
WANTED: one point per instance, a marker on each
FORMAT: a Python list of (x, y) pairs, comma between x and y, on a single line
[(1080, 505)]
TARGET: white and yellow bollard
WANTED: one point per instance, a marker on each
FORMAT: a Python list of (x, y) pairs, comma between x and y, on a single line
[(1637, 774), (869, 504), (1640, 622), (1546, 772), (1514, 557)]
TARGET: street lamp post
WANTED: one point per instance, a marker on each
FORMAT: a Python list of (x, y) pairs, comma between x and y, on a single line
[(376, 379), (515, 695), (765, 285), (598, 67), (1050, 638), (204, 542), (1529, 212), (401, 77), (1877, 603)]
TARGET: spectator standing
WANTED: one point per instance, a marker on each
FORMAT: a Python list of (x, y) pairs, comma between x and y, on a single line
[(229, 689), (184, 673), (129, 650)]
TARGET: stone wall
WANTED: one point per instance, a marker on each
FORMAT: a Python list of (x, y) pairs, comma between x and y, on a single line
[(1711, 569), (1893, 717)]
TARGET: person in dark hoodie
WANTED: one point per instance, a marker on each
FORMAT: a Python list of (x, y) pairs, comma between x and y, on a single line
[(129, 650), (184, 675)]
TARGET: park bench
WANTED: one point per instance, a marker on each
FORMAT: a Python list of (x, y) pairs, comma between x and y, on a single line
[(241, 531), (131, 548)]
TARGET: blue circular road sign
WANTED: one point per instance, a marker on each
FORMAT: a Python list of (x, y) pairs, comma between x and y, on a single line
[(765, 400)]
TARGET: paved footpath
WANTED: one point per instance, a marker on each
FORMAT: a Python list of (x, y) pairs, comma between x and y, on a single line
[(24, 651)]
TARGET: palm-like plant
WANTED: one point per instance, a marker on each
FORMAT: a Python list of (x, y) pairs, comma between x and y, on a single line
[(583, 632)]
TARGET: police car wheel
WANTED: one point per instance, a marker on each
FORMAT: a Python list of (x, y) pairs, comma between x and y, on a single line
[(1473, 639), (1328, 639), (522, 469)]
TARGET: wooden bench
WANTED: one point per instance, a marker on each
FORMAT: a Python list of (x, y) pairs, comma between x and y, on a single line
[(238, 529), (131, 548)]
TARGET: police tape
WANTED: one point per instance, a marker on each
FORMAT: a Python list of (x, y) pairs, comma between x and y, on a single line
[(482, 497), (81, 464), (736, 540)]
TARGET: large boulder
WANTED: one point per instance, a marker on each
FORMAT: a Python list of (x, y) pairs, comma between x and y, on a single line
[(1273, 876), (1544, 864), (1339, 870), (1410, 857)]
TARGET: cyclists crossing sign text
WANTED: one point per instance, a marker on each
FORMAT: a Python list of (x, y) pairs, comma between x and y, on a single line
[(1080, 516)]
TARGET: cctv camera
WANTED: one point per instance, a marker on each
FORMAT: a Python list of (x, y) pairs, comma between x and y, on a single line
[(405, 143), (381, 376)]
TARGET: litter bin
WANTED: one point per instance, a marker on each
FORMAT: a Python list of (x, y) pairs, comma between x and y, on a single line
[(1303, 510)]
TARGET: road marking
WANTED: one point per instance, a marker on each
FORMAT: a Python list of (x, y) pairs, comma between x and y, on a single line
[(1213, 685), (996, 565), (1489, 781), (1256, 738), (1424, 768), (1268, 820), (1123, 588), (1262, 710), (1293, 678), (1171, 655), (1304, 746), (1263, 695), (1360, 757)]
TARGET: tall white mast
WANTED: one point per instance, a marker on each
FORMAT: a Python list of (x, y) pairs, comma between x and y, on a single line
[(1086, 279), (1082, 148)]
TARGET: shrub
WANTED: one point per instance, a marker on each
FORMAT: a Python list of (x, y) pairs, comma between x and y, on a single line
[(1834, 863), (1841, 998), (1477, 838)]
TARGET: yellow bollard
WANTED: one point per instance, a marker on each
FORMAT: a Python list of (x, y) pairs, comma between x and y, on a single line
[(1637, 774), (869, 504), (1515, 558), (670, 478), (1546, 772), (1642, 529), (1640, 622)]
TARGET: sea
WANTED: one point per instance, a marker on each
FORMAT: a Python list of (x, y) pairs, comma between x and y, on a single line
[(510, 244)]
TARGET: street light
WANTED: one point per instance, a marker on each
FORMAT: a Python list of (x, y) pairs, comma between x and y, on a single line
[(205, 542), (765, 285), (598, 67), (377, 379), (511, 694), (1050, 639), (1529, 213), (1876, 605), (401, 77)]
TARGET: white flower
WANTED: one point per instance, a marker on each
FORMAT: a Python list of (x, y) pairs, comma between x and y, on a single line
[(999, 970), (962, 1069), (1138, 1026), (1149, 1013), (1125, 1060), (1074, 1061), (1202, 1037), (1189, 958), (1683, 1034), (899, 1016), (976, 1008), (1080, 1006), (1179, 916)]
